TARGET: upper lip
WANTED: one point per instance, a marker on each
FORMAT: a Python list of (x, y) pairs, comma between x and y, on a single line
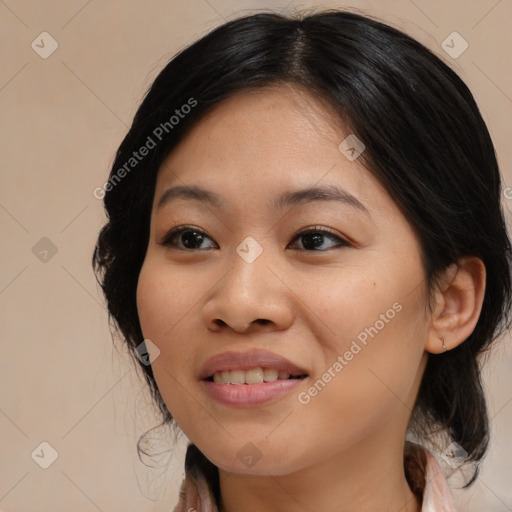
[(247, 360)]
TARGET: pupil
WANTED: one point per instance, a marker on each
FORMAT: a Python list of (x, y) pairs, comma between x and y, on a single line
[(188, 238), (315, 238)]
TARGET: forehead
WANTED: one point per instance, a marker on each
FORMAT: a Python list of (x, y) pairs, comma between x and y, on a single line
[(262, 142), (259, 126)]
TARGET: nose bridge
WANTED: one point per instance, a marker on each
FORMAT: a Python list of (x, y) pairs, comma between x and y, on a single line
[(249, 270)]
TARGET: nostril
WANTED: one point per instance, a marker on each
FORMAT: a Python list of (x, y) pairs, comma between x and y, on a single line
[(261, 321)]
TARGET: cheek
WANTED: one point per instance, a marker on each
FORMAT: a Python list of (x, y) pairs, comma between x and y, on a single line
[(373, 342), (348, 305), (378, 301), (163, 304), (381, 345), (162, 301), (160, 309)]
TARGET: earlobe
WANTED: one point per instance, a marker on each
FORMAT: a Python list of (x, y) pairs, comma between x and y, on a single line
[(459, 302)]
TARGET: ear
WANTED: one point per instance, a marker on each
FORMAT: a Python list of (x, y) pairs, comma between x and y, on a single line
[(459, 300)]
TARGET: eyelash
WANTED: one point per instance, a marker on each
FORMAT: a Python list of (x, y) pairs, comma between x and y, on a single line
[(167, 240)]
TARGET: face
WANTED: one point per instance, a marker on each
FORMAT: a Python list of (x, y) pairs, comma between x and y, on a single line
[(323, 290)]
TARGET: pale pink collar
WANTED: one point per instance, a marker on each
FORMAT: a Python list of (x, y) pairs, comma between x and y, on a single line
[(436, 496)]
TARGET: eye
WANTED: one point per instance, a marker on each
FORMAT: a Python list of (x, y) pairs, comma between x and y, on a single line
[(314, 239), (189, 237)]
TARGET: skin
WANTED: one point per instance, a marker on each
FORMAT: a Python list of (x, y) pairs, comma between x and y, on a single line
[(344, 449)]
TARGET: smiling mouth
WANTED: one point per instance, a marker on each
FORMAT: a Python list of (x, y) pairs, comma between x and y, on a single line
[(252, 376)]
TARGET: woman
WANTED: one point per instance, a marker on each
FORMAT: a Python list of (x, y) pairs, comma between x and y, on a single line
[(305, 235)]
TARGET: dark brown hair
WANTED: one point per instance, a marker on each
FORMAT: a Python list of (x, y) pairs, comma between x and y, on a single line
[(426, 142)]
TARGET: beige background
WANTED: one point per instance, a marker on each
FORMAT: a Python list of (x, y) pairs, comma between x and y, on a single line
[(62, 120)]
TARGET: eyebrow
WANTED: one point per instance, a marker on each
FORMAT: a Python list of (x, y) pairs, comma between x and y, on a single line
[(286, 199)]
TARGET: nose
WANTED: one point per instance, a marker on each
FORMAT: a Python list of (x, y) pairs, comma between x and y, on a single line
[(251, 297)]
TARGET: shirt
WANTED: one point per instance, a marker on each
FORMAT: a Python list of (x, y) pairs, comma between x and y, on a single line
[(200, 492)]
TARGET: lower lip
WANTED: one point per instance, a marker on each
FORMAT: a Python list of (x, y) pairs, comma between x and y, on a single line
[(248, 395)]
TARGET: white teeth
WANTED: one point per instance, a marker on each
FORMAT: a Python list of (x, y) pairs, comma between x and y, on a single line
[(222, 377), (237, 377), (252, 376), (269, 375)]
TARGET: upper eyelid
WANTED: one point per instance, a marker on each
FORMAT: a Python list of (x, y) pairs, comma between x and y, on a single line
[(180, 229)]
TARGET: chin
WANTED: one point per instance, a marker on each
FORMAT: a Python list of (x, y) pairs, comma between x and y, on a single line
[(250, 461)]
